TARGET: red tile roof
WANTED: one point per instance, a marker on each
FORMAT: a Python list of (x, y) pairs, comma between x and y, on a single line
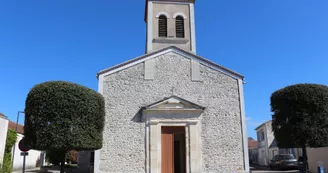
[(252, 144), (12, 126)]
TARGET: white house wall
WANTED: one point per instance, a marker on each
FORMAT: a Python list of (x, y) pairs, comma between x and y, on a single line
[(263, 158), (263, 148), (3, 136), (272, 152), (31, 159), (317, 156)]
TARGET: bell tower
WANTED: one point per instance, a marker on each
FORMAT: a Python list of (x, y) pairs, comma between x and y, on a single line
[(170, 22)]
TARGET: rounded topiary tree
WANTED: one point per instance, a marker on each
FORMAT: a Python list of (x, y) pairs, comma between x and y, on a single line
[(62, 116), (300, 116)]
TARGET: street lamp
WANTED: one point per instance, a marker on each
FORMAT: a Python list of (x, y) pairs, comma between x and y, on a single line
[(18, 113)]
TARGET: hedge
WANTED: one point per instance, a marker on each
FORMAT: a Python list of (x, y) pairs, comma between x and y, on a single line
[(10, 142), (64, 116)]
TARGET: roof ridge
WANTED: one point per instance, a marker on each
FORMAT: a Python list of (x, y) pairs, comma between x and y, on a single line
[(131, 60)]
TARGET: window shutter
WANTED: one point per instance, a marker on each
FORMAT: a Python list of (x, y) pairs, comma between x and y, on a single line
[(179, 27), (162, 26)]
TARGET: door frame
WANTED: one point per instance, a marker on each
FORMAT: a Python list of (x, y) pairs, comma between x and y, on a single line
[(153, 144), (171, 152)]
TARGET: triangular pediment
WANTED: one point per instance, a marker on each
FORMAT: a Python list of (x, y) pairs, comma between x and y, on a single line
[(173, 49), (174, 103)]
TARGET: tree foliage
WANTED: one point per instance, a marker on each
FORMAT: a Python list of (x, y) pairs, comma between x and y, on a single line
[(10, 142), (300, 116), (62, 116)]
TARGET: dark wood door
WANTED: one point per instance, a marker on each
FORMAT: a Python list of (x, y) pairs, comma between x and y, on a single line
[(167, 150)]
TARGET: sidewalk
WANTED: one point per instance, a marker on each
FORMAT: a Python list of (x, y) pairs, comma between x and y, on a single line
[(29, 170)]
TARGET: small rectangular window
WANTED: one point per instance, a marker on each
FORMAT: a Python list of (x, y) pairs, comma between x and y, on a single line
[(162, 26)]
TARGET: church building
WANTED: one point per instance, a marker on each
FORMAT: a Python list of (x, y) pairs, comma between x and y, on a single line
[(171, 110)]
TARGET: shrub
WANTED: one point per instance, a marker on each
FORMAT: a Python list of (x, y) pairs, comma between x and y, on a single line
[(10, 142), (71, 156)]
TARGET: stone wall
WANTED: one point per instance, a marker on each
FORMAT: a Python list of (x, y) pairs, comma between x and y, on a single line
[(127, 91)]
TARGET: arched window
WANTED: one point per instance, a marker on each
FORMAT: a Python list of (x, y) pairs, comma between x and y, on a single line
[(162, 26), (179, 27)]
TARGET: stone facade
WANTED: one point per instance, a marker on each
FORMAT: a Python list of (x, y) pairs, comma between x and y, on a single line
[(126, 91), (170, 9)]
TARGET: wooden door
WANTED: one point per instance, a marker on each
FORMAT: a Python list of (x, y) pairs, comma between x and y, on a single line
[(167, 150)]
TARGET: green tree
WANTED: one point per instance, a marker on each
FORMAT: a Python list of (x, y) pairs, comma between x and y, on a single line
[(62, 116), (300, 116)]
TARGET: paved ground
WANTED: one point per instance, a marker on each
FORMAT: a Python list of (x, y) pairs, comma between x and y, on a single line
[(254, 169), (259, 169), (30, 170), (269, 171)]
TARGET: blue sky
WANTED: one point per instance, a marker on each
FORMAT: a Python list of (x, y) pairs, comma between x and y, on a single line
[(274, 43)]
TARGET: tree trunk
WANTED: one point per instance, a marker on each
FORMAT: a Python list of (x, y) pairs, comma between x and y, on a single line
[(62, 165), (306, 165)]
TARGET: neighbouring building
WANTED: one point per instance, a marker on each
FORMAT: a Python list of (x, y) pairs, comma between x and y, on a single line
[(253, 151), (268, 147), (170, 110), (3, 135), (33, 158), (317, 157)]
